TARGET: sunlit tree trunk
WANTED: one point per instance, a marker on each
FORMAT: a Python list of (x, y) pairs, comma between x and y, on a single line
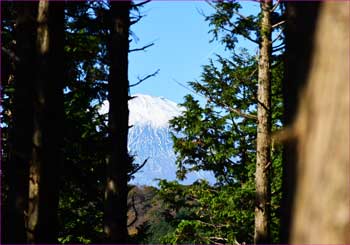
[(47, 135), (115, 217), (262, 209), (317, 141), (21, 130)]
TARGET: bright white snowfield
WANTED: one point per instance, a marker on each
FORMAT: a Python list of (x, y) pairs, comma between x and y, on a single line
[(150, 137), (149, 110), (155, 111)]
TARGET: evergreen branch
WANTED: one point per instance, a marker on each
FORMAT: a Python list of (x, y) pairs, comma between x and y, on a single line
[(141, 49), (211, 99), (241, 33), (248, 37), (145, 78), (235, 27), (231, 109), (103, 120)]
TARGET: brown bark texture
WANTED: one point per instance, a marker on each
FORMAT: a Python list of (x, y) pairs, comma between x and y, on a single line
[(317, 152), (47, 135), (116, 190), (262, 183), (21, 130)]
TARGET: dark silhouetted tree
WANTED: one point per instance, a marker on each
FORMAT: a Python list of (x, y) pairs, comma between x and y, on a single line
[(118, 161), (47, 129), (20, 136)]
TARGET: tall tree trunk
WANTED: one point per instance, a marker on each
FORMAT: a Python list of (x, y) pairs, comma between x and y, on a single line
[(21, 131), (262, 209), (47, 135), (319, 133), (115, 216), (299, 43)]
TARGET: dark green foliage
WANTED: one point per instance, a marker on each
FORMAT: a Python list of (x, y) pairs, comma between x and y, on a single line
[(214, 137), (202, 213), (219, 135), (85, 88), (81, 206)]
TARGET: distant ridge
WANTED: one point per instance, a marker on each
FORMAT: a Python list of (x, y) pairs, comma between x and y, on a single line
[(150, 138)]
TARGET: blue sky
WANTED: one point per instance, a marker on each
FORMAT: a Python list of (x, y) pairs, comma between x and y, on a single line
[(182, 46)]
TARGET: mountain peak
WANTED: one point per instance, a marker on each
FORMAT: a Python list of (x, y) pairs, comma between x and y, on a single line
[(150, 110), (156, 111)]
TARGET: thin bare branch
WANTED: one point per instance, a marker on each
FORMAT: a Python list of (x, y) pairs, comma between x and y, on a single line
[(141, 49), (267, 166), (140, 4), (278, 49), (136, 19), (138, 168), (278, 35), (240, 15), (242, 34), (184, 86), (278, 24), (275, 6), (239, 112), (145, 78)]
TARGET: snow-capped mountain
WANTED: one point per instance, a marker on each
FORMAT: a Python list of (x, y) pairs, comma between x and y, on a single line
[(150, 138), (150, 110)]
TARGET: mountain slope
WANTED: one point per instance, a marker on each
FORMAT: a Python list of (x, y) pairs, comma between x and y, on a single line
[(150, 138)]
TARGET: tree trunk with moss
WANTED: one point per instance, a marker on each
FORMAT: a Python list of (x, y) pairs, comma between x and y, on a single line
[(263, 161)]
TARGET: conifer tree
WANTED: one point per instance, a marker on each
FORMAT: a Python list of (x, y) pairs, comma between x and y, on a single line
[(116, 190), (222, 135)]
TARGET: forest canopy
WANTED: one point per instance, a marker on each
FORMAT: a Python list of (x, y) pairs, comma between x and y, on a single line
[(271, 126)]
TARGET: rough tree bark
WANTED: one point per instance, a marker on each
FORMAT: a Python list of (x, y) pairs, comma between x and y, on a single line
[(317, 172), (262, 209), (21, 130), (115, 217), (47, 135)]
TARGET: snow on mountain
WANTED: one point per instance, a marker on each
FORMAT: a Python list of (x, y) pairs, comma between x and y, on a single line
[(150, 137), (150, 110)]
